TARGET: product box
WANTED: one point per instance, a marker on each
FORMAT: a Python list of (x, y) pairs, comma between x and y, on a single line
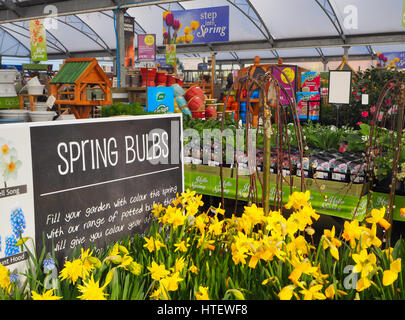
[(160, 99), (311, 100), (310, 81)]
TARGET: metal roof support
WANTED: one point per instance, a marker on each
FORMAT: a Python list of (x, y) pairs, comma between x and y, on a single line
[(138, 28), (330, 12), (26, 10), (50, 38), (10, 5), (76, 23), (320, 52), (4, 31), (251, 13)]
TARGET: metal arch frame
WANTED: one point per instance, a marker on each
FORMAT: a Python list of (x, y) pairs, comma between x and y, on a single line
[(330, 12), (54, 45), (103, 45), (19, 43), (257, 17), (137, 25), (7, 29)]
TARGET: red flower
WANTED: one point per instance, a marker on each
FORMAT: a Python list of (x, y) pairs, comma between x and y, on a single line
[(359, 123), (364, 114), (372, 109)]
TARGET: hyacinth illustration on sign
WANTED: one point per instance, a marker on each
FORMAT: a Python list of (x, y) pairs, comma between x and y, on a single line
[(196, 25), (38, 40)]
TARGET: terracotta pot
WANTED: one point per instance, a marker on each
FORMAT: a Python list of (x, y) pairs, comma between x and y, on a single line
[(210, 113), (179, 81), (148, 75), (170, 80), (161, 78), (195, 104), (194, 91), (200, 115)]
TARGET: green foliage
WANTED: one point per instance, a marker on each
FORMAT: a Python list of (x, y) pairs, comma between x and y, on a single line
[(118, 109)]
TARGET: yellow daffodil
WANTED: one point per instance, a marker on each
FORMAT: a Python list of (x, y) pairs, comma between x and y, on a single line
[(193, 269), (158, 271), (298, 200), (402, 212), (300, 267), (313, 293), (216, 226), (286, 293), (153, 244), (5, 283), (179, 264), (202, 293), (351, 232), (157, 209), (91, 290), (377, 216), (365, 262), (181, 246), (329, 241), (171, 283), (363, 284), (369, 237), (47, 295), (391, 275), (72, 271)]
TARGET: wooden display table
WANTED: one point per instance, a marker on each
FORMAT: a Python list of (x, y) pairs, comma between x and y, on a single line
[(137, 94), (33, 98)]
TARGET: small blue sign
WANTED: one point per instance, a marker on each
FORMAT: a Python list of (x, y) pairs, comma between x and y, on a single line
[(160, 99)]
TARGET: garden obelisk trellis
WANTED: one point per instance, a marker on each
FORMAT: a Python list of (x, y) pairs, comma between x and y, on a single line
[(269, 104), (385, 139)]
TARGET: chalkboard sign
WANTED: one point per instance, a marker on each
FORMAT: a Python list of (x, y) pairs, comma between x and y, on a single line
[(97, 182), (87, 183)]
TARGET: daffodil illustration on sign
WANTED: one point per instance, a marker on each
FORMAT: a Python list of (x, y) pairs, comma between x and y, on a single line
[(9, 162)]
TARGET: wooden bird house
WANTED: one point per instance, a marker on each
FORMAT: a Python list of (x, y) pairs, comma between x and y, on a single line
[(81, 84)]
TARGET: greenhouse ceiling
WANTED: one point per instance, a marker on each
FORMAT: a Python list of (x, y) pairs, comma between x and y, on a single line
[(295, 30)]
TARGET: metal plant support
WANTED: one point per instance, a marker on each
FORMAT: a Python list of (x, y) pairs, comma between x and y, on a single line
[(269, 104), (384, 143)]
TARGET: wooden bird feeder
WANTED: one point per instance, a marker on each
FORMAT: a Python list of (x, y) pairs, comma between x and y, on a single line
[(75, 84)]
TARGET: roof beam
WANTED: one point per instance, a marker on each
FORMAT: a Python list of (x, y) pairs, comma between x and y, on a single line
[(297, 59), (320, 42), (330, 12), (20, 12)]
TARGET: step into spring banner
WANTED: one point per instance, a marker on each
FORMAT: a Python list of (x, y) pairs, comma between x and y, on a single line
[(336, 204), (196, 25)]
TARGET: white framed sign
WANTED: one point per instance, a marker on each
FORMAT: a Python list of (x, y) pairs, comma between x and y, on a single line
[(340, 87)]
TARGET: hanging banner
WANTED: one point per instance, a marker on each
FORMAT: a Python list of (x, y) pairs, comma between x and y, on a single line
[(129, 31), (146, 47), (38, 40), (403, 14), (171, 54), (196, 25), (291, 73), (400, 58)]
